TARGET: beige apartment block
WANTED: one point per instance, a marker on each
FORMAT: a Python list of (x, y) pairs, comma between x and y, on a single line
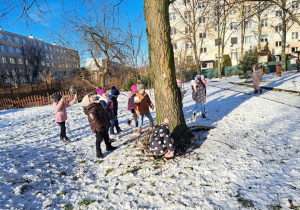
[(57, 61), (201, 16)]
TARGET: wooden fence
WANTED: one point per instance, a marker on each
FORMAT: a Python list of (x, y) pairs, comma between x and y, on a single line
[(34, 101)]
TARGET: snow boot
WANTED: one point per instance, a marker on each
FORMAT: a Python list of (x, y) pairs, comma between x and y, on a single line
[(139, 132), (99, 154), (129, 122), (203, 116), (260, 91), (256, 91), (109, 147)]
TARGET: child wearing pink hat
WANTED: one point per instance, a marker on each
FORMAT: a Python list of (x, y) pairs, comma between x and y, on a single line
[(131, 107)]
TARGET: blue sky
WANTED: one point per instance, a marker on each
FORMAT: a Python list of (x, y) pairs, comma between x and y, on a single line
[(52, 18)]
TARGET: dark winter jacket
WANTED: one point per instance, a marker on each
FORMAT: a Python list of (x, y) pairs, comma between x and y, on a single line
[(115, 109), (161, 141), (97, 117), (144, 102), (106, 106)]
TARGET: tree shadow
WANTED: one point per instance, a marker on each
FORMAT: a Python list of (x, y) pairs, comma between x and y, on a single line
[(281, 80)]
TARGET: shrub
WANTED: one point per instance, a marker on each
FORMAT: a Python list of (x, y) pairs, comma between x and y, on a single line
[(246, 64), (226, 60)]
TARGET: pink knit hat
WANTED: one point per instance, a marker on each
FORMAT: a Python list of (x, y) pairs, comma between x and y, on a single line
[(133, 88), (100, 91)]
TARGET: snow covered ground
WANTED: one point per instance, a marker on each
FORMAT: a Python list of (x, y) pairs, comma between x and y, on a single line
[(251, 158)]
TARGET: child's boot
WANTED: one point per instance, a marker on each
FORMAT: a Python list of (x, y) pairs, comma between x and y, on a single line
[(260, 91), (99, 154), (128, 122), (109, 147), (139, 132), (255, 91), (136, 124)]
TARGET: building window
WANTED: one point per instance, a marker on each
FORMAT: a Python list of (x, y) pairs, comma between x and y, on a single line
[(278, 13), (202, 35), (264, 38), (10, 49), (2, 48), (23, 41), (51, 56), (1, 36), (43, 63), (232, 10), (50, 48), (248, 9), (278, 44), (248, 24), (40, 45), (34, 44), (61, 50), (52, 64), (186, 2), (187, 15), (17, 39), (172, 16), (248, 39), (234, 40), (46, 47), (187, 30), (216, 55), (233, 25), (4, 60), (278, 28), (20, 61), (295, 4), (173, 31), (218, 42), (9, 37), (57, 50), (201, 5), (48, 64), (188, 46), (264, 23), (233, 56), (203, 50), (294, 35), (190, 59), (12, 60), (294, 49), (201, 20), (18, 50), (47, 56)]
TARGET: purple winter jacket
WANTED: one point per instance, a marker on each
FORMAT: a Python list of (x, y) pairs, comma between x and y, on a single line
[(60, 109)]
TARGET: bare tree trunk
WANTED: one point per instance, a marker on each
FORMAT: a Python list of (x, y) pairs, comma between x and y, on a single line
[(163, 67), (283, 37), (259, 33), (242, 30)]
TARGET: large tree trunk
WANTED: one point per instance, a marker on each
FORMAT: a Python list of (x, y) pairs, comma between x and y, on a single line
[(242, 30), (259, 33), (162, 66), (283, 39)]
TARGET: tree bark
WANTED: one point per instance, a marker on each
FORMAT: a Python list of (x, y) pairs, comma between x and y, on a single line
[(283, 37), (162, 66)]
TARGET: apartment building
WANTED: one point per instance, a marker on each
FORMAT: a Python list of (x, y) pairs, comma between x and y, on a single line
[(241, 21), (55, 61)]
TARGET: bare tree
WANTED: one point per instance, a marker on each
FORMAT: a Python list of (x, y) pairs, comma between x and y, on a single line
[(193, 18), (163, 67), (14, 75), (35, 56)]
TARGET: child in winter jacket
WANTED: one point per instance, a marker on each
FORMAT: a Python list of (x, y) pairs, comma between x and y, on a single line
[(60, 108), (131, 107), (256, 78), (99, 122), (114, 119), (199, 97), (142, 102), (162, 143)]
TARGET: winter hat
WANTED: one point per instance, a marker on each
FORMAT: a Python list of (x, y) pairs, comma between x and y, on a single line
[(140, 86), (133, 88), (114, 91), (85, 101), (56, 97), (178, 82), (100, 91)]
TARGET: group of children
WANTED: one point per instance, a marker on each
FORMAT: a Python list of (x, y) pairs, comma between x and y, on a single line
[(102, 113)]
